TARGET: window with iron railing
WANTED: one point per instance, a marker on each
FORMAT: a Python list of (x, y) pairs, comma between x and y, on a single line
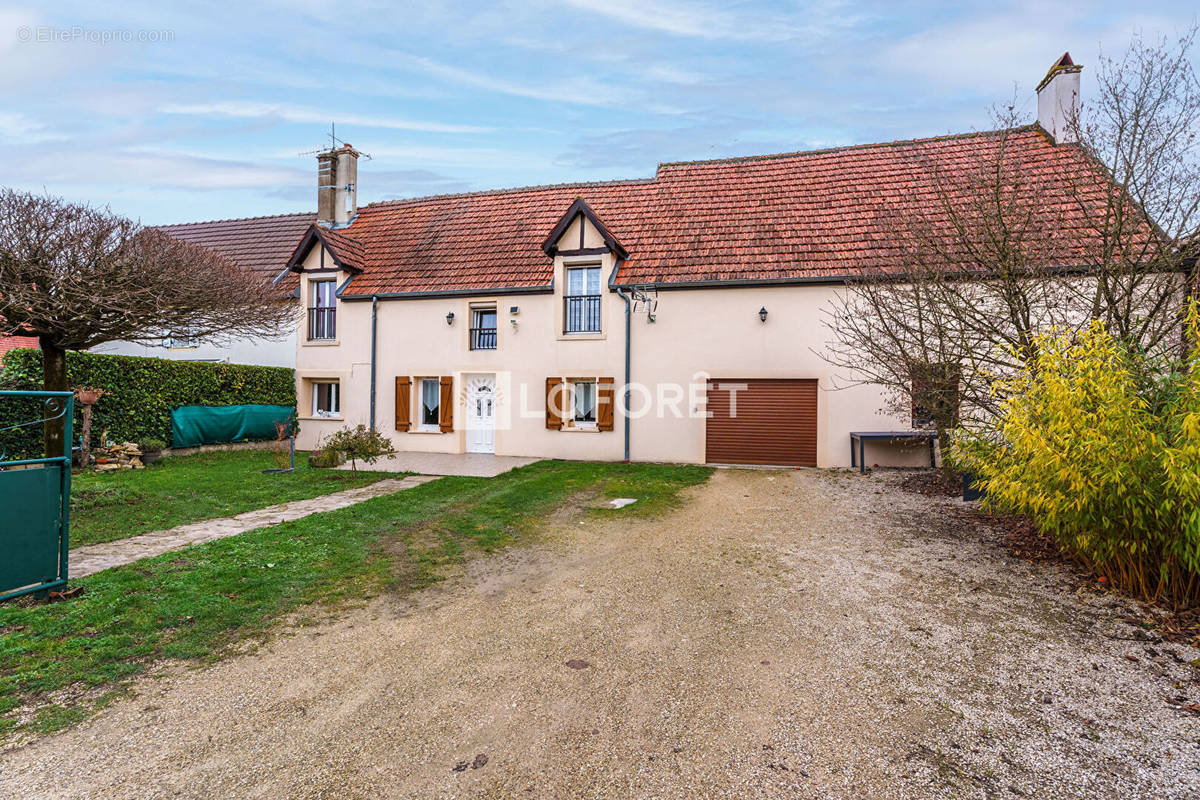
[(483, 329), (322, 316), (581, 304)]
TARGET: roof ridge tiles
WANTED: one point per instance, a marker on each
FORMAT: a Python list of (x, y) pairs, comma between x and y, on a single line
[(312, 214), (698, 162), (843, 148), (512, 190)]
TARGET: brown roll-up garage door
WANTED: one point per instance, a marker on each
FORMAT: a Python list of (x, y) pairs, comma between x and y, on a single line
[(775, 421)]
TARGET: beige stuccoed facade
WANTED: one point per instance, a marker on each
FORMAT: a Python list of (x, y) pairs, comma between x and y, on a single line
[(697, 334)]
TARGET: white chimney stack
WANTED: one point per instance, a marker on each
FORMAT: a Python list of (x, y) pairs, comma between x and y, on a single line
[(1058, 100), (337, 185)]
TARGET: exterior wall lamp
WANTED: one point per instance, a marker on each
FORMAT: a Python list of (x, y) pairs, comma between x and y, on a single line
[(762, 313), (450, 318)]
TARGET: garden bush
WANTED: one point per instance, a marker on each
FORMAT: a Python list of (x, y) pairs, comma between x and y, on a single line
[(325, 459), (139, 393), (1102, 451), (358, 444)]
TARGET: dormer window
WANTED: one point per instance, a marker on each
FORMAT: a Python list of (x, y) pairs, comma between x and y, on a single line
[(581, 304), (322, 316)]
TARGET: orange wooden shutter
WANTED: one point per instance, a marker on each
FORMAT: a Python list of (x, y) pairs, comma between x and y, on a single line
[(605, 403), (446, 405), (554, 393), (403, 405)]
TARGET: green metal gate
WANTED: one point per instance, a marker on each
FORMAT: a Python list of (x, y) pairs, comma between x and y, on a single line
[(35, 501)]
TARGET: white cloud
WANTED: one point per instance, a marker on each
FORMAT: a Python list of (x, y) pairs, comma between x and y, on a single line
[(21, 128), (706, 22), (989, 54), (583, 92), (289, 113), (147, 168)]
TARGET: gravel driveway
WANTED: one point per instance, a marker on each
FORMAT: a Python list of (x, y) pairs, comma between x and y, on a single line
[(784, 634)]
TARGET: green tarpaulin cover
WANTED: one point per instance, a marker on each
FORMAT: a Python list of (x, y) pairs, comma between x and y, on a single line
[(197, 425)]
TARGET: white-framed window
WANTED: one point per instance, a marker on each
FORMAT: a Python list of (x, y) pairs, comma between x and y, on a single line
[(583, 280), (583, 403), (326, 399), (581, 303), (429, 404)]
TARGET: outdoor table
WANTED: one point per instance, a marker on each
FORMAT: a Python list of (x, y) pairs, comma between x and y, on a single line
[(859, 437)]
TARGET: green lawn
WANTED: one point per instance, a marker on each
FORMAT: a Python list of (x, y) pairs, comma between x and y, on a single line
[(183, 489), (194, 603)]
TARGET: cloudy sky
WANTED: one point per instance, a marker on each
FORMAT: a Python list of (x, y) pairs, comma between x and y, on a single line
[(202, 112)]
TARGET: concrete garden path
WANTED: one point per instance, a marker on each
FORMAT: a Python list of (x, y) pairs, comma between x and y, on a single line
[(93, 558)]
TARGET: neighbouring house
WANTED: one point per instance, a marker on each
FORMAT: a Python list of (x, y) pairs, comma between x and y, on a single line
[(257, 244), (16, 341), (677, 318)]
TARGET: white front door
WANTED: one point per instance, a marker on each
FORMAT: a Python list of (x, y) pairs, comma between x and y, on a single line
[(481, 414)]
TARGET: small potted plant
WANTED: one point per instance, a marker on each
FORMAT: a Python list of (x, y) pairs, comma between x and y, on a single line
[(151, 450)]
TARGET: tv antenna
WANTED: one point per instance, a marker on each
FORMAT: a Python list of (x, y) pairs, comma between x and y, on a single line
[(334, 141), (645, 298)]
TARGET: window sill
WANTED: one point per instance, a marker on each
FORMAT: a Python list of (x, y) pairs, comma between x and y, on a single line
[(580, 428), (581, 337), (427, 430), (312, 418), (321, 343)]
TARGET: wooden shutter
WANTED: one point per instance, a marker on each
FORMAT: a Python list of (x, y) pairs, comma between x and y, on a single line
[(604, 404), (403, 403), (446, 405), (554, 395)]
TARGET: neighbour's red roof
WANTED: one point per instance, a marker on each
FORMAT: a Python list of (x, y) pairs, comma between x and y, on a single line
[(811, 215), (258, 244), (15, 342)]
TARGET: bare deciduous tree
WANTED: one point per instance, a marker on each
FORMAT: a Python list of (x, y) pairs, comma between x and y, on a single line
[(77, 276), (1144, 129), (1004, 248)]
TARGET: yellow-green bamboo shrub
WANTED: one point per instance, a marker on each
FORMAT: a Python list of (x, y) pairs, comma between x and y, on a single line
[(1102, 452)]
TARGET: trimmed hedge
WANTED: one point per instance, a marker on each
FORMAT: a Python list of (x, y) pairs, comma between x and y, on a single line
[(141, 393)]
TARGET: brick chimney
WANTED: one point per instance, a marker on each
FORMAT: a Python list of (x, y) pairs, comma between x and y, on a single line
[(337, 186), (1058, 100)]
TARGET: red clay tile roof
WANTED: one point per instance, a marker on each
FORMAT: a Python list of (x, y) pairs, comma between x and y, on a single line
[(481, 241), (813, 215), (14, 342), (832, 213), (348, 250), (259, 244)]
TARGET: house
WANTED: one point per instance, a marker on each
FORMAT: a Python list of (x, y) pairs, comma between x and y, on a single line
[(677, 318), (16, 341), (258, 245)]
